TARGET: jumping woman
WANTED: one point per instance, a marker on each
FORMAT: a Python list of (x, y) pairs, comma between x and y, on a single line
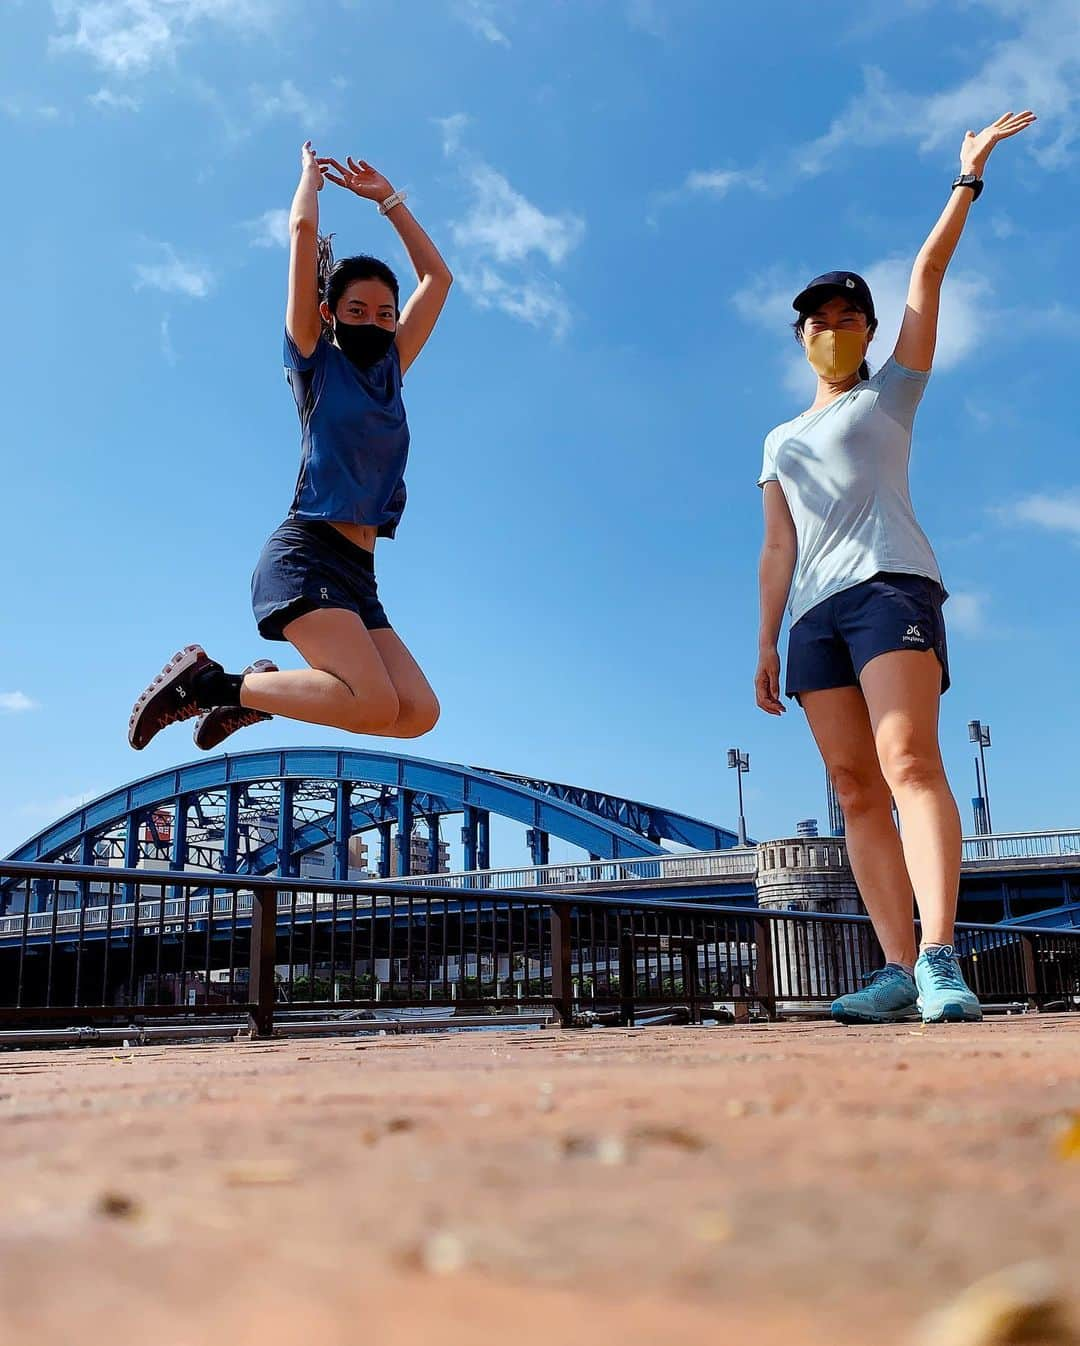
[(347, 348), (867, 659)]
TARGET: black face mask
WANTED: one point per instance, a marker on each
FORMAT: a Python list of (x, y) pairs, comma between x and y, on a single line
[(364, 343)]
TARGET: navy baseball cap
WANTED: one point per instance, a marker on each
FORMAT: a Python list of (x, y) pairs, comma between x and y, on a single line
[(826, 287)]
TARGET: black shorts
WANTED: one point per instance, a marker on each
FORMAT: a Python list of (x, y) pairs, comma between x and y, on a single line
[(831, 644), (307, 564)]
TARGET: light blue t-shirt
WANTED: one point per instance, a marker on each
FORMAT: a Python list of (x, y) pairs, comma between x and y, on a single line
[(844, 473), (354, 437)]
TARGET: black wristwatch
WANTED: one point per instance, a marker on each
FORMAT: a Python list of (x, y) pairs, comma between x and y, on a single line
[(970, 180)]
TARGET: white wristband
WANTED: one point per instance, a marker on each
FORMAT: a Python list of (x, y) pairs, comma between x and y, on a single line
[(388, 205)]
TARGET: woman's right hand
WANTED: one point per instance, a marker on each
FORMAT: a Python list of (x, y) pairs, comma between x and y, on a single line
[(310, 167), (767, 682)]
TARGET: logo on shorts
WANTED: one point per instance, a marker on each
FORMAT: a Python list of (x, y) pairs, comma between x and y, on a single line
[(914, 634), (324, 593)]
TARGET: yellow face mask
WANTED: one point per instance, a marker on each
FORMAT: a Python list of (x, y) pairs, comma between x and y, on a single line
[(836, 355)]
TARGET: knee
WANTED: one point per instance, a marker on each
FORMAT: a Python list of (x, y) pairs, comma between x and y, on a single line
[(859, 791), (416, 717), (906, 767), (374, 711)]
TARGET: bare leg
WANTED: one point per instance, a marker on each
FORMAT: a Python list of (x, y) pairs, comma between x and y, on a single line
[(903, 695), (418, 706), (841, 727), (345, 686)]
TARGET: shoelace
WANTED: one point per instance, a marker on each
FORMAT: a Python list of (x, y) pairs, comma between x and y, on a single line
[(942, 969), (880, 973)]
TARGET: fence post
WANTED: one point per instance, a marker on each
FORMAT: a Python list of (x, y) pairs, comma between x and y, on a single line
[(261, 992), (627, 978), (562, 987), (1027, 966), (764, 973)]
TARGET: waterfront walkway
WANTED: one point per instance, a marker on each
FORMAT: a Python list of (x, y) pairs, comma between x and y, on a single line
[(797, 1184)]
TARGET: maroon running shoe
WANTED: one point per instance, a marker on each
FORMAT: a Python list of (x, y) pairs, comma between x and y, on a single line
[(217, 724), (170, 698)]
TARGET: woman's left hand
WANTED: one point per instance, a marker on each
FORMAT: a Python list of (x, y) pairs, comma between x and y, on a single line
[(359, 177), (975, 150)]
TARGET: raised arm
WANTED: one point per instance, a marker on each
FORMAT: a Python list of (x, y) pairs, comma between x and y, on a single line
[(777, 565), (918, 334), (422, 310), (302, 320)]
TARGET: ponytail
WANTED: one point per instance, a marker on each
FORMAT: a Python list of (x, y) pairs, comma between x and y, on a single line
[(324, 264), (864, 372)]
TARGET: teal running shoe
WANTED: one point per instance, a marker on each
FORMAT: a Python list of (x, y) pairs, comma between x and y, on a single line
[(890, 993), (944, 996)]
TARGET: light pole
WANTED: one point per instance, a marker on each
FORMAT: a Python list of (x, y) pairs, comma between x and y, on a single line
[(739, 761), (980, 733)]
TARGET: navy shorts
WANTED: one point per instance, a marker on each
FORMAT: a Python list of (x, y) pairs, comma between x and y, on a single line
[(832, 644), (307, 564)]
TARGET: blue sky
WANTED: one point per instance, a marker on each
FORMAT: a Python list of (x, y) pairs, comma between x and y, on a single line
[(629, 192)]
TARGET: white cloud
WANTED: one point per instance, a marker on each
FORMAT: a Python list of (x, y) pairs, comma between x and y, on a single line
[(502, 236), (1001, 226), (118, 102), (27, 110), (719, 181), (967, 613), (288, 101), (173, 275), (168, 350), (270, 230), (538, 302), (452, 128), (13, 703), (129, 37), (1037, 67), (977, 413), (310, 115), (876, 115), (1056, 513), (503, 224), (479, 15)]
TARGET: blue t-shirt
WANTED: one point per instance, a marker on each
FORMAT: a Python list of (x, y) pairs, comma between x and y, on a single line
[(354, 437)]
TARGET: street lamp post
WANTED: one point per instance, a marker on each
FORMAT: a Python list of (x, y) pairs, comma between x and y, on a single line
[(980, 733), (739, 761)]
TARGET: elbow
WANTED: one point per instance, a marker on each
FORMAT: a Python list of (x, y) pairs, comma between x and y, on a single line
[(931, 267), (300, 226)]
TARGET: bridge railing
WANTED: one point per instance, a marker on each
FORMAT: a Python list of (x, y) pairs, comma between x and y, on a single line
[(151, 945), (1023, 846), (735, 863)]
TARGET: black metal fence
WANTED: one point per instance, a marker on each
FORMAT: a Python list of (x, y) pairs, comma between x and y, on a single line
[(110, 946)]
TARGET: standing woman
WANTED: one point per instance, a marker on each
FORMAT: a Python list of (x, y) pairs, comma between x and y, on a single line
[(867, 659), (347, 348)]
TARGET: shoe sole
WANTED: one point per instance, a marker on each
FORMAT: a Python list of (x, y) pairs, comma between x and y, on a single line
[(954, 1012), (891, 1017), (181, 661), (246, 717)]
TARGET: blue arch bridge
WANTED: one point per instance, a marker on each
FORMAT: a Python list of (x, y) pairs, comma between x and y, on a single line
[(346, 814)]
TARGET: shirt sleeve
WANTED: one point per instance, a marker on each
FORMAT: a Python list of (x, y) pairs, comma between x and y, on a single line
[(900, 390), (303, 363), (768, 463)]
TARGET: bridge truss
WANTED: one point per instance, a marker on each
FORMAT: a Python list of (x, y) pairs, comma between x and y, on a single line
[(261, 812)]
